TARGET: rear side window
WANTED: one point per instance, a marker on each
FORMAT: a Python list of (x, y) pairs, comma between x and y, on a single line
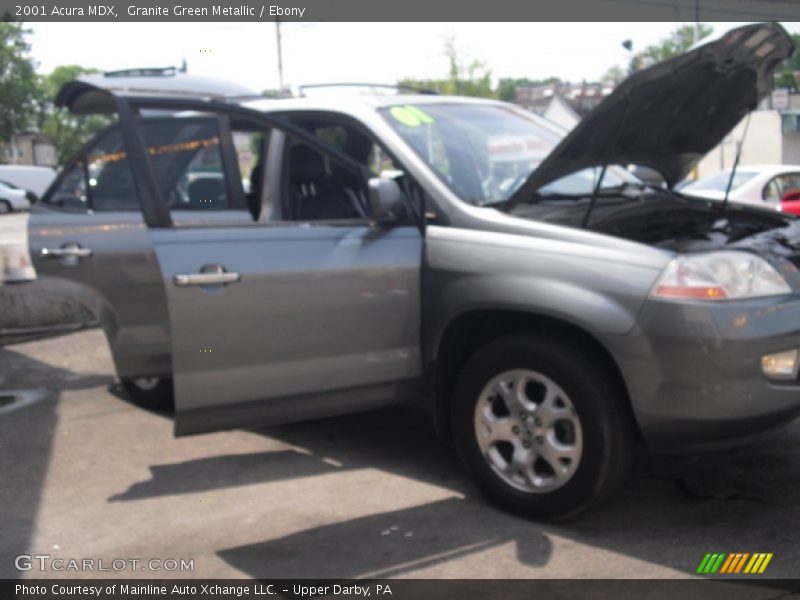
[(187, 159)]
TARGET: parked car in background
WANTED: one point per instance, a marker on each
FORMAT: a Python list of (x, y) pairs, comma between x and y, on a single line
[(13, 199), (790, 203), (35, 180), (759, 185), (551, 309)]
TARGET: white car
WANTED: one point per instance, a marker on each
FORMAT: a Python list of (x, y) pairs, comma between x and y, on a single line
[(12, 199), (761, 185), (34, 179)]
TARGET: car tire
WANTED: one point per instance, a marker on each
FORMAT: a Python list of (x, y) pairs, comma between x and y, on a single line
[(152, 393), (5, 207), (582, 429)]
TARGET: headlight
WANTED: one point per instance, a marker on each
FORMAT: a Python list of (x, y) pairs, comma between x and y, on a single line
[(724, 275)]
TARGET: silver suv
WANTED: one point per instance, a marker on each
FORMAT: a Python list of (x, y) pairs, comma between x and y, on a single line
[(277, 260)]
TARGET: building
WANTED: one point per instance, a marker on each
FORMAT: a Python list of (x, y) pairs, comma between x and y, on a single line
[(772, 137), (29, 148), (562, 100)]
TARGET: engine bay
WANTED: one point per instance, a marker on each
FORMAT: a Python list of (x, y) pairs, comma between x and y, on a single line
[(659, 218)]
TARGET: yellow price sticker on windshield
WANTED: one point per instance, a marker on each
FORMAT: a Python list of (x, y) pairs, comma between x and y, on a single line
[(410, 115)]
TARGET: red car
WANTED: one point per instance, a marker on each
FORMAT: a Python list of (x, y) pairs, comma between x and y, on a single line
[(790, 203)]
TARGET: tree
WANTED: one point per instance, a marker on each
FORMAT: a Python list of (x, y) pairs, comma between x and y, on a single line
[(18, 89), (463, 79), (784, 74), (678, 42), (67, 131), (507, 87), (613, 75)]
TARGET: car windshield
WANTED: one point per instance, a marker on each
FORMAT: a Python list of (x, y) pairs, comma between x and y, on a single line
[(719, 182), (485, 152), (8, 185)]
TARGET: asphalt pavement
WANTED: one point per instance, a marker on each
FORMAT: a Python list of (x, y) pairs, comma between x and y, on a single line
[(87, 475)]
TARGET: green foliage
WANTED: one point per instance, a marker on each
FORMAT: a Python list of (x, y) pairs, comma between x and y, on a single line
[(67, 131), (784, 75), (26, 99), (613, 75), (464, 78), (678, 42), (507, 88), (18, 86)]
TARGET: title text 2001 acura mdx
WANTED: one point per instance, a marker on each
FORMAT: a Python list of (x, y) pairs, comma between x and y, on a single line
[(279, 260)]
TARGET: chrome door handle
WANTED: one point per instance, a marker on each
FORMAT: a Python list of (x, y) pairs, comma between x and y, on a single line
[(65, 252), (183, 280)]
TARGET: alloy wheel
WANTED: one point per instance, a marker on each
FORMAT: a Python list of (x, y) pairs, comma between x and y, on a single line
[(528, 431)]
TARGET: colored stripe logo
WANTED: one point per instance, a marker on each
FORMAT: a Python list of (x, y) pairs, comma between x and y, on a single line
[(734, 563)]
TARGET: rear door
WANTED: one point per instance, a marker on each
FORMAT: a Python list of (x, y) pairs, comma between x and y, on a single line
[(282, 315)]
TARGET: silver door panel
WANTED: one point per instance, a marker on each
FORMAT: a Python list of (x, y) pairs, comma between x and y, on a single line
[(311, 310)]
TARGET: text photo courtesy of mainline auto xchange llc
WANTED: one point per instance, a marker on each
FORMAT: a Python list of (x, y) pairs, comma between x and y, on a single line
[(325, 302)]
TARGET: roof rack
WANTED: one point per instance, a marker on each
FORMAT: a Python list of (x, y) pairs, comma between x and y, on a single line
[(409, 88), (143, 72)]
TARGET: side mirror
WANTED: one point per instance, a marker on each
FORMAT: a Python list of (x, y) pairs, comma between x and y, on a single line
[(386, 201)]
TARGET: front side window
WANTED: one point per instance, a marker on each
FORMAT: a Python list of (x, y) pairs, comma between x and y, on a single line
[(70, 194), (111, 185), (772, 192), (101, 180), (187, 159), (318, 187)]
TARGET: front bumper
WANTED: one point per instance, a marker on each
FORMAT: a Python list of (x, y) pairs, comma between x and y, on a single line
[(693, 370)]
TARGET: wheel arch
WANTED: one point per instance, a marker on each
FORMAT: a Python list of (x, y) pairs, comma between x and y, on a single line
[(471, 330)]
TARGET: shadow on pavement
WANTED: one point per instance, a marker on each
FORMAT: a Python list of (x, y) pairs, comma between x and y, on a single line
[(399, 439), (670, 513), (26, 438), (206, 474), (116, 390), (392, 543)]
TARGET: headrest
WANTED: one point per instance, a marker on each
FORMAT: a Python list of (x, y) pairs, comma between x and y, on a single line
[(306, 165)]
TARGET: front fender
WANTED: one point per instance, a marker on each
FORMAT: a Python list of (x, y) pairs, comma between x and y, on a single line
[(600, 290)]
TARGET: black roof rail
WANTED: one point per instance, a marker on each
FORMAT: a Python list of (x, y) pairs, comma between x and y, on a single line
[(143, 72), (409, 88)]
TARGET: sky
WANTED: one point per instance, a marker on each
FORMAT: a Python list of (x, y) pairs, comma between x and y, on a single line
[(347, 52)]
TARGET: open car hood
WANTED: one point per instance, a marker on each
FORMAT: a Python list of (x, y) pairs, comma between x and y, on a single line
[(670, 115), (93, 94)]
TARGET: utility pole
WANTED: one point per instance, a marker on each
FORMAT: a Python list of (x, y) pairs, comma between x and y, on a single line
[(280, 54), (696, 21)]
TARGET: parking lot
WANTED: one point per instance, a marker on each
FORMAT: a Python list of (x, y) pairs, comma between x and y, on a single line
[(85, 474)]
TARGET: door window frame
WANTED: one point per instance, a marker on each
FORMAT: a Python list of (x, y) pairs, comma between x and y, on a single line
[(349, 122), (233, 183), (79, 159), (154, 207)]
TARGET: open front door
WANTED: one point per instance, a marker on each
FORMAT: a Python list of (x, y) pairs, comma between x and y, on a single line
[(308, 311)]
